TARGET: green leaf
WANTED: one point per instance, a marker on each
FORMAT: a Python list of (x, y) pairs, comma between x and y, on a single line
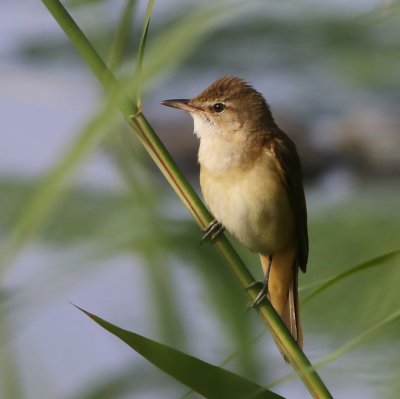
[(360, 339), (140, 57), (380, 260), (204, 378), (347, 347), (121, 36)]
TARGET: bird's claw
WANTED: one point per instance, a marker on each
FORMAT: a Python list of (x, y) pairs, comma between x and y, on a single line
[(212, 231), (255, 284), (261, 296), (263, 293)]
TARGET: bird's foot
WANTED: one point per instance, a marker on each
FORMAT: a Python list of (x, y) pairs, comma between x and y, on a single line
[(212, 231), (262, 294)]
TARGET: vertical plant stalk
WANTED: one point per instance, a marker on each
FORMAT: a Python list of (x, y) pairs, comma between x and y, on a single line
[(123, 29), (186, 193), (139, 63)]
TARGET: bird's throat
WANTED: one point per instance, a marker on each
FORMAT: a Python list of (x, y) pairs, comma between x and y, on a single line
[(220, 155)]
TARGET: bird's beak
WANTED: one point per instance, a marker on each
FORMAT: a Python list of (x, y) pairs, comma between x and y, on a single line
[(183, 104)]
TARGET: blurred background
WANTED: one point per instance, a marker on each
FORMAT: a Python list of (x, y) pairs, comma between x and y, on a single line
[(86, 217)]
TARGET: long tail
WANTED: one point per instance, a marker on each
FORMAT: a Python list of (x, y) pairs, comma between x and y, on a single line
[(282, 289)]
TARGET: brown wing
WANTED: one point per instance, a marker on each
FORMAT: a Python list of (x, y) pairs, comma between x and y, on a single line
[(285, 151)]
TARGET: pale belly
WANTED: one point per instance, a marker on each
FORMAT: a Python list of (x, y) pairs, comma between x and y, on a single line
[(253, 206)]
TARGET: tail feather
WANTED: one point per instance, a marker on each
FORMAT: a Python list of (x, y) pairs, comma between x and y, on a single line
[(291, 314), (282, 289)]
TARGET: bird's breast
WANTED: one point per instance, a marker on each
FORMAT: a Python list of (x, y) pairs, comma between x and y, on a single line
[(251, 201)]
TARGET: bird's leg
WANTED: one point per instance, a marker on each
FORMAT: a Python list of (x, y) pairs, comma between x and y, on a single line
[(263, 284), (212, 231)]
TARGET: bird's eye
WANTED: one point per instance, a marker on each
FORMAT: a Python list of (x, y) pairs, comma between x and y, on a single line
[(218, 107)]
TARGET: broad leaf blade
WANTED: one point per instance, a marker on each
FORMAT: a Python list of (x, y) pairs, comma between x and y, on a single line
[(204, 378)]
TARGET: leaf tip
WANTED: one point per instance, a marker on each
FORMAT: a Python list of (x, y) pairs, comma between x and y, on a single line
[(82, 310)]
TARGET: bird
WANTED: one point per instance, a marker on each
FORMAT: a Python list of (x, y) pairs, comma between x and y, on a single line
[(251, 180)]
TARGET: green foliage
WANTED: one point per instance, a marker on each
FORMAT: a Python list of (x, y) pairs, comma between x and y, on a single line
[(52, 186), (380, 260), (354, 297), (206, 379), (158, 152)]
